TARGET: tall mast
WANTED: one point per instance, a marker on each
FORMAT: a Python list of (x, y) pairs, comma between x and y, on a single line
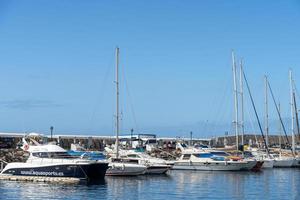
[(266, 111), (242, 101), (280, 129), (292, 111), (117, 101), (235, 100), (296, 115)]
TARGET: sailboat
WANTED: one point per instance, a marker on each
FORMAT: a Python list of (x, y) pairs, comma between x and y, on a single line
[(118, 166), (264, 155), (294, 114), (279, 159)]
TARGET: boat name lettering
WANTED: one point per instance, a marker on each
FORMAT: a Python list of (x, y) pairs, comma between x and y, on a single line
[(36, 173)]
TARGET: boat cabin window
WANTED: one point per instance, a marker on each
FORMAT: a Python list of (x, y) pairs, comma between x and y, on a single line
[(151, 141), (40, 154), (186, 156), (183, 145), (133, 161), (58, 155), (51, 155), (116, 160), (132, 156)]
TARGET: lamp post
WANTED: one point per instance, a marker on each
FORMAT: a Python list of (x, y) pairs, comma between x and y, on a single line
[(131, 134), (51, 131), (191, 138)]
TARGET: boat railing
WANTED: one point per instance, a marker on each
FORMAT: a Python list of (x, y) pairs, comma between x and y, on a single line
[(2, 164)]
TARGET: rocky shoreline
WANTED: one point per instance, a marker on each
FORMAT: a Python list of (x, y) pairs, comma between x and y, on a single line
[(13, 155)]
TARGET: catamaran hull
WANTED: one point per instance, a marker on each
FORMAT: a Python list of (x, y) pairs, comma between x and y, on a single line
[(94, 171), (125, 169), (215, 166)]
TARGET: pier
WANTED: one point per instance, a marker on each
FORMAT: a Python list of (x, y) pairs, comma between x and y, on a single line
[(41, 179)]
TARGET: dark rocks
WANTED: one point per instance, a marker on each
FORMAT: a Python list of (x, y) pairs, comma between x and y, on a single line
[(13, 155)]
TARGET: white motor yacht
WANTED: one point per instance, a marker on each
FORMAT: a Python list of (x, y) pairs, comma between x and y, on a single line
[(51, 160), (198, 159), (154, 165)]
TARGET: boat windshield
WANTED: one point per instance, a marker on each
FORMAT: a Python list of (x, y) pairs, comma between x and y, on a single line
[(183, 145), (133, 156), (186, 156)]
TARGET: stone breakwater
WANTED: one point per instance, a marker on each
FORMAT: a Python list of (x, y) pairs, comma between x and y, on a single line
[(13, 155)]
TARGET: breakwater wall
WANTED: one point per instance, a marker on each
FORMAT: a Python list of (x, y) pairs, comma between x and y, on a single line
[(14, 141), (274, 140)]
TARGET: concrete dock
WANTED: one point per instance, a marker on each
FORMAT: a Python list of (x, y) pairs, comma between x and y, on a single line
[(59, 180)]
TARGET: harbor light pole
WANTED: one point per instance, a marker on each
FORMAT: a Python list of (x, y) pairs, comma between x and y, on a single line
[(131, 134), (51, 131)]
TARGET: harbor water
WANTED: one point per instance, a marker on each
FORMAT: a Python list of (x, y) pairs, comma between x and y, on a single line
[(267, 184)]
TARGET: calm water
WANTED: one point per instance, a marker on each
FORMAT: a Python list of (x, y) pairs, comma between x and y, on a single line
[(268, 184)]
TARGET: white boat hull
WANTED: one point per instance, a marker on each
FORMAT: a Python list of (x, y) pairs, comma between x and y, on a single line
[(125, 169), (215, 166), (296, 162), (283, 162), (268, 163), (157, 169)]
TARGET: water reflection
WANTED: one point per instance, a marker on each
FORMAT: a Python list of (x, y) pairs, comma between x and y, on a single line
[(269, 184), (32, 190), (134, 187)]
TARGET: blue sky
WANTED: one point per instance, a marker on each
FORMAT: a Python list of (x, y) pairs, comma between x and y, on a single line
[(57, 63)]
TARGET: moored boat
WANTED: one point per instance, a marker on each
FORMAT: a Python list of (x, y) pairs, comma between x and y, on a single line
[(119, 167), (283, 161), (51, 160), (210, 160), (296, 162)]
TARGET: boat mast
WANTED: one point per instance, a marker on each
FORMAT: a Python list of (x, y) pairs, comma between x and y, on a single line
[(242, 101), (266, 111), (117, 102), (235, 101), (292, 111), (280, 129), (296, 116)]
